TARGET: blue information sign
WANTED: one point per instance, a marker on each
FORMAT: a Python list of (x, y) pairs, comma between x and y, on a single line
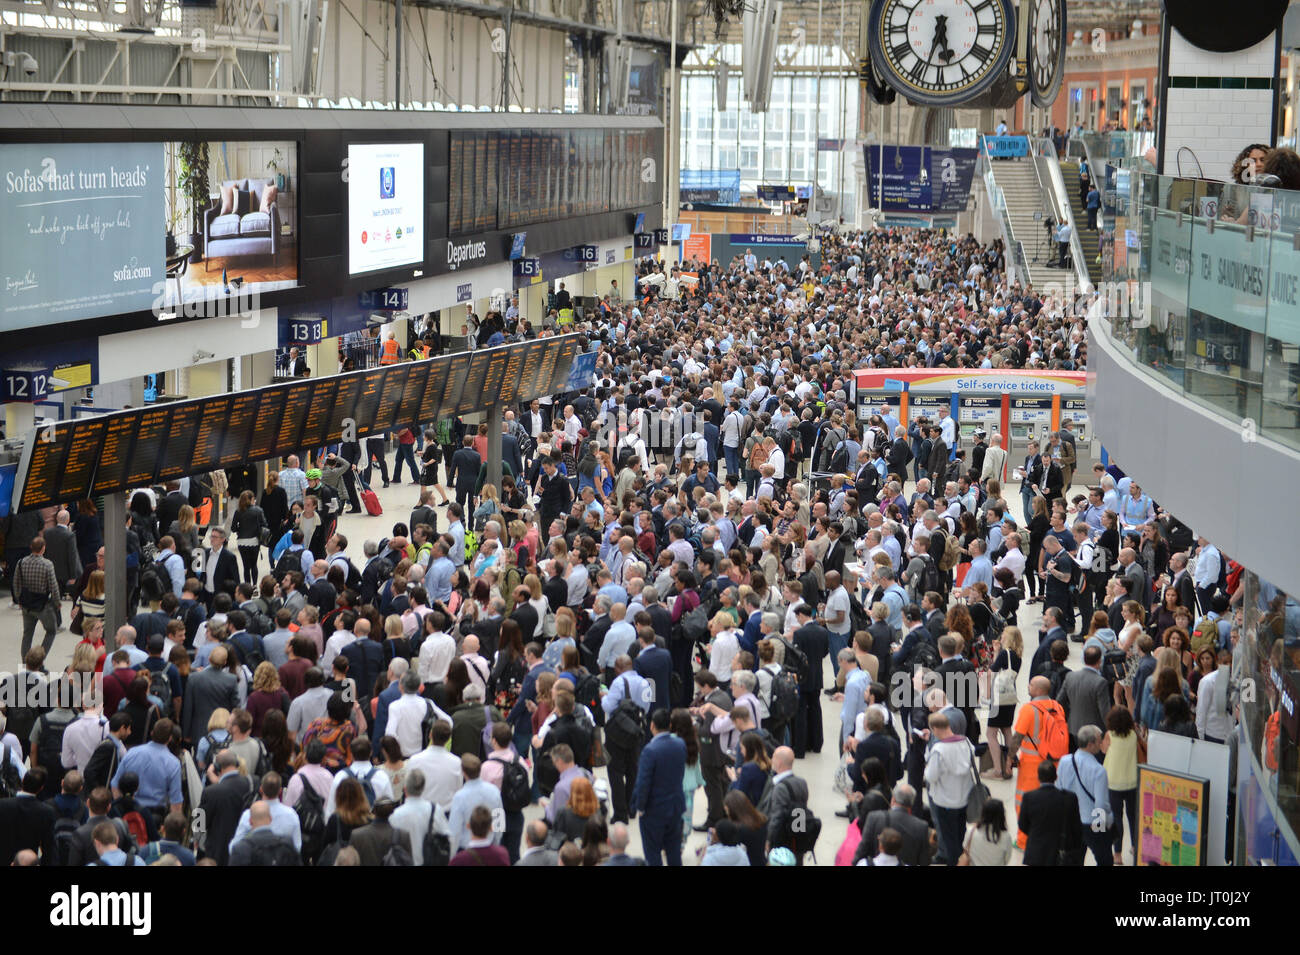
[(920, 178)]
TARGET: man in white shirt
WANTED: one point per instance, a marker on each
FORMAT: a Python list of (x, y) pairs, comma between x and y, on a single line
[(890, 844), (284, 820), (412, 816), (948, 427), (1014, 559), (406, 715), (341, 637), (442, 776), (571, 425)]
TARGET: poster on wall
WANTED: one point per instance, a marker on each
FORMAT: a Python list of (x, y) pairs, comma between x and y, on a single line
[(1171, 817), (385, 206), (698, 247), (82, 232)]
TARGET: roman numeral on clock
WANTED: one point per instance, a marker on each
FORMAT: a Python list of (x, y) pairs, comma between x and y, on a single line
[(981, 6), (981, 53), (900, 50), (918, 70), (987, 28)]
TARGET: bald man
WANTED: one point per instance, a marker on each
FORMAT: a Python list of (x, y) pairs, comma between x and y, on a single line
[(262, 846), (1040, 732)]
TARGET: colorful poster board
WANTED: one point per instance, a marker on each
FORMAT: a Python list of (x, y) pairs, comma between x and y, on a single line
[(1172, 813)]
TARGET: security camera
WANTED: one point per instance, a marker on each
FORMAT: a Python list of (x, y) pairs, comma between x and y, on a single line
[(201, 355), (25, 61)]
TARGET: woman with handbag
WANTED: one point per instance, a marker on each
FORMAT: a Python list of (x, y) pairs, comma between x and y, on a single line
[(90, 604), (1007, 650), (988, 842)]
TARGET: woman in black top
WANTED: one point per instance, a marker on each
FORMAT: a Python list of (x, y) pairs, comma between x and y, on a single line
[(143, 521), (246, 526), (752, 823), (1108, 540), (873, 784), (275, 508), (143, 713), (351, 811), (1038, 528)]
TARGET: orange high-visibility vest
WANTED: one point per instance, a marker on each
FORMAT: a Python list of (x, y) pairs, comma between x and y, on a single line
[(391, 354)]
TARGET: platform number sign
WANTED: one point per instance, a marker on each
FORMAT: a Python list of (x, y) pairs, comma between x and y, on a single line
[(23, 385), (308, 331)]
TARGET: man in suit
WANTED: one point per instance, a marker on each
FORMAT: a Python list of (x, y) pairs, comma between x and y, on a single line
[(61, 550), (655, 664), (1050, 631), (815, 641), (1047, 477), (373, 840), (1182, 581), (510, 450), (900, 453), (1049, 818), (535, 852), (222, 805), (1085, 694), (711, 438), (995, 459), (840, 550), (784, 802), (935, 621), (916, 834), (960, 684), (26, 822), (879, 744), (82, 849), (169, 508), (520, 717), (462, 473), (220, 568), (206, 690), (658, 797), (937, 464)]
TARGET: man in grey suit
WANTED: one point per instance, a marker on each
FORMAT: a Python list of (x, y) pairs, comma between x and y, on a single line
[(1085, 694), (206, 690), (510, 450), (916, 834), (784, 802), (535, 851), (61, 550), (618, 840)]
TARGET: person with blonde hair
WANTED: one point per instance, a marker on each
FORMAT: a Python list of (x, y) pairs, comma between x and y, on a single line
[(1008, 649), (267, 694), (724, 646)]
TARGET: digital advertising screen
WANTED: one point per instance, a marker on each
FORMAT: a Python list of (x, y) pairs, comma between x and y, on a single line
[(385, 206)]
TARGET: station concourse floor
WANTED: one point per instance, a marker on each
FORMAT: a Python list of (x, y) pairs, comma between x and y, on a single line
[(817, 768)]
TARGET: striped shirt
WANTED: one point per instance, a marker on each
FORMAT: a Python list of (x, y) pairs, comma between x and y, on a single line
[(35, 574)]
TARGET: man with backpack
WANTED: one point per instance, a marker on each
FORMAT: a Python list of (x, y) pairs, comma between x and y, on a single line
[(791, 824), (164, 678), (374, 781), (284, 822), (263, 845), (626, 706), (1041, 732)]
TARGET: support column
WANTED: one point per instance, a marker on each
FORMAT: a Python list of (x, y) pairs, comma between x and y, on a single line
[(494, 416), (114, 562)]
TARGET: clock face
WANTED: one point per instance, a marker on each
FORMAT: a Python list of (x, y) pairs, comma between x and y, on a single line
[(1046, 50), (941, 52)]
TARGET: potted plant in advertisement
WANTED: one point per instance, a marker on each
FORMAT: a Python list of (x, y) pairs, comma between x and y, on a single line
[(276, 163), (192, 186)]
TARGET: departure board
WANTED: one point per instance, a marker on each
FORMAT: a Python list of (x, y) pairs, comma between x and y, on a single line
[(431, 402), (473, 392), (455, 189), (510, 382), (146, 454), (345, 403), (176, 455), (545, 372), (496, 370), (239, 430), (564, 357), (412, 395), (457, 372), (83, 454), (393, 387), (266, 424), (213, 415), (142, 447), (297, 399), (316, 424), (372, 386), (49, 450), (529, 382), (115, 458)]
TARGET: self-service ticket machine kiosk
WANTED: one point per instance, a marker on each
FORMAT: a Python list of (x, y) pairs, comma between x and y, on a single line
[(926, 406), (1075, 410), (1030, 420), (975, 413)]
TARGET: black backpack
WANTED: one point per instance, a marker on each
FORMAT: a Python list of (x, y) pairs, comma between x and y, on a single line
[(795, 660), (516, 790), (49, 749), (310, 808), (102, 766), (65, 837), (279, 853), (437, 846), (155, 580), (625, 727), (924, 654), (858, 616), (291, 559), (10, 779), (587, 692), (785, 695), (930, 580)]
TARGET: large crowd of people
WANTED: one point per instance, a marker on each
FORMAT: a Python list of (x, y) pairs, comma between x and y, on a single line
[(679, 565)]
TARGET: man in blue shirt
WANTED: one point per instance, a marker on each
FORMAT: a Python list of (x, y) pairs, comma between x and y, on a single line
[(1082, 774), (474, 793), (456, 529), (626, 685), (158, 770), (438, 579), (981, 569), (105, 840), (1206, 577)]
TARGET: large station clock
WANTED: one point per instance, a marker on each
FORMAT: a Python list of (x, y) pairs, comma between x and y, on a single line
[(941, 52), (1046, 49)]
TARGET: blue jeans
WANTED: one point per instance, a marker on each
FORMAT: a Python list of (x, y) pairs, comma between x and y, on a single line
[(659, 835), (838, 642), (732, 457), (1027, 501), (405, 452)]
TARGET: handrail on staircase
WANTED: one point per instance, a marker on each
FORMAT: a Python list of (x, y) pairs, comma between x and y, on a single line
[(1017, 266), (1046, 163)]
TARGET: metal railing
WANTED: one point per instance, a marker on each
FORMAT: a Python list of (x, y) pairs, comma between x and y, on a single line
[(1017, 266), (1049, 176)]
